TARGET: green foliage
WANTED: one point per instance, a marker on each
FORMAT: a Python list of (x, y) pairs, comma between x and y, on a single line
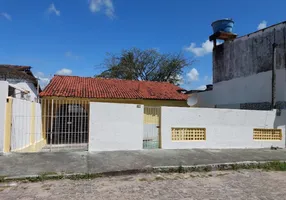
[(181, 168), (149, 65)]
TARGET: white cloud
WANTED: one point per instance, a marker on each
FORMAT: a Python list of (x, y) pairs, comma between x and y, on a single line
[(102, 5), (6, 16), (43, 80), (70, 54), (180, 79), (205, 48), (202, 87), (193, 75), (52, 9), (64, 71), (262, 25)]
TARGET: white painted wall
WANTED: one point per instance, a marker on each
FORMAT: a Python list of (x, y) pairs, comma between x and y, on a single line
[(251, 89), (21, 129), (38, 123), (32, 96), (3, 97), (205, 99), (225, 128), (115, 127), (21, 124)]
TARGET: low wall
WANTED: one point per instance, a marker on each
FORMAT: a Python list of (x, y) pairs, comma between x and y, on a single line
[(225, 128), (115, 126)]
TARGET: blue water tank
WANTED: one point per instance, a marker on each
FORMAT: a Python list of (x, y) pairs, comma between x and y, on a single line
[(224, 25)]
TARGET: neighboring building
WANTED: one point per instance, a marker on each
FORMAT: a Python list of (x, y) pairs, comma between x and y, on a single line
[(114, 90), (249, 72), (22, 83)]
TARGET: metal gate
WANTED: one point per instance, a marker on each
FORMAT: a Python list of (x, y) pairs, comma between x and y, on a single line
[(151, 138), (65, 124)]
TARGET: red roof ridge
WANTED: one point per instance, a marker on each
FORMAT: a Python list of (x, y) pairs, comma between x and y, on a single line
[(116, 79)]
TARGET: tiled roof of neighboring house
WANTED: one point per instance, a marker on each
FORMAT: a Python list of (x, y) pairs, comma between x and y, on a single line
[(87, 87), (17, 72)]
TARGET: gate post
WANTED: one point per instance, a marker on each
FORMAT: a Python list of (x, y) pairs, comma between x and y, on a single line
[(3, 102), (8, 125), (52, 116)]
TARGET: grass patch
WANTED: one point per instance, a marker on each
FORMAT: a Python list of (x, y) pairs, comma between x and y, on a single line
[(181, 169), (2, 179), (275, 166), (159, 178)]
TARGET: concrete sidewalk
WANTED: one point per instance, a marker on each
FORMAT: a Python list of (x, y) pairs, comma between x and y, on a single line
[(17, 164)]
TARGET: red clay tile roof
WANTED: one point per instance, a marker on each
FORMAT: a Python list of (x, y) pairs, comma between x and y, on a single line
[(87, 87)]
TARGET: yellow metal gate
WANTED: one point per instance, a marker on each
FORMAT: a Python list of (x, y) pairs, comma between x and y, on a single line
[(151, 138)]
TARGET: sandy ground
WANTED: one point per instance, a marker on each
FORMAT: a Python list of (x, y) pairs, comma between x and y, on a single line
[(242, 184)]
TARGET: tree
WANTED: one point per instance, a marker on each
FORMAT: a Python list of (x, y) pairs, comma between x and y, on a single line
[(137, 64)]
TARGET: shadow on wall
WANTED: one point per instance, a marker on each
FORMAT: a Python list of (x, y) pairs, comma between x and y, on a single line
[(280, 121)]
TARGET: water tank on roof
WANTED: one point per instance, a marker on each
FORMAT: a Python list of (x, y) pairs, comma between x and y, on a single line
[(223, 25)]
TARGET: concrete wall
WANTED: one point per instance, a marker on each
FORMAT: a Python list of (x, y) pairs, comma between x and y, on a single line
[(250, 54), (115, 126), (21, 124), (242, 71), (254, 89), (205, 99), (225, 128), (3, 97)]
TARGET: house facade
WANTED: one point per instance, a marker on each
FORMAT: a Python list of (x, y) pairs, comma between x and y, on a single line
[(22, 83), (249, 72), (66, 105)]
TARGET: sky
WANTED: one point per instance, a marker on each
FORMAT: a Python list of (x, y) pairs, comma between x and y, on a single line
[(73, 37)]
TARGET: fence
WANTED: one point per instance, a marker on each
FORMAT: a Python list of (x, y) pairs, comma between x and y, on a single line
[(65, 124), (23, 122), (58, 124)]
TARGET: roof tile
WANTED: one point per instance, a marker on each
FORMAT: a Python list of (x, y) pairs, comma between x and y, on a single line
[(87, 87)]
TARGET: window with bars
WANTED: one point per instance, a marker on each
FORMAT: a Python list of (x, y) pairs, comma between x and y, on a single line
[(188, 134), (267, 134)]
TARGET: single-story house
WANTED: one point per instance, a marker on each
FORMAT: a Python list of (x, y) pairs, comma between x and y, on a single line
[(22, 83), (65, 102)]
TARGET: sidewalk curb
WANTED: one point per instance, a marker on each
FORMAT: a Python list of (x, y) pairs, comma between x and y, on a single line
[(159, 169)]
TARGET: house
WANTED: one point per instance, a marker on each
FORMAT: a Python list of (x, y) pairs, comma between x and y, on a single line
[(249, 72), (22, 82), (65, 105)]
